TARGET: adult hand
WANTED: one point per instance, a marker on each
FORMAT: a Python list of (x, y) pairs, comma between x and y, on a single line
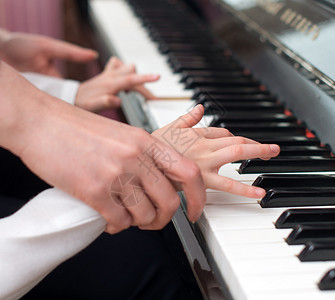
[(121, 171), (37, 53), (213, 147), (100, 92)]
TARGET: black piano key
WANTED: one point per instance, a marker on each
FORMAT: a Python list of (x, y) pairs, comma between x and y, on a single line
[(298, 197), (166, 37), (256, 130), (182, 66), (268, 181), (195, 82), (172, 38), (302, 234), (301, 151), (184, 48), (174, 59), (272, 107), (187, 46), (305, 216), (239, 113), (269, 134), (237, 98), (194, 57), (290, 141), (179, 40), (262, 106), (259, 124), (214, 92), (162, 26), (318, 251), (288, 164), (327, 282), (265, 129), (205, 64), (240, 117), (166, 34), (262, 127), (271, 125), (304, 151), (177, 37), (157, 20), (211, 73)]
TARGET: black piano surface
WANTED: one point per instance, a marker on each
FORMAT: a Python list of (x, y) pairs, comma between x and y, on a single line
[(266, 70)]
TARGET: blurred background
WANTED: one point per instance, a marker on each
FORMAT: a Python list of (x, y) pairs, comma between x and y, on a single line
[(62, 19)]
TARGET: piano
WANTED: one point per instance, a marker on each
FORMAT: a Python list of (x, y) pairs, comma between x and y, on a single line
[(264, 69)]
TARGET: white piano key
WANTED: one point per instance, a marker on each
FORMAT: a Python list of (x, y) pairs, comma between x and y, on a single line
[(274, 283), (227, 198), (235, 257), (241, 210), (270, 272), (163, 112), (306, 294), (240, 222), (265, 250), (251, 236), (288, 265), (231, 170)]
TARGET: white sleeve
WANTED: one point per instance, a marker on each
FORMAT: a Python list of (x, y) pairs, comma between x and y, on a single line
[(64, 89), (46, 231)]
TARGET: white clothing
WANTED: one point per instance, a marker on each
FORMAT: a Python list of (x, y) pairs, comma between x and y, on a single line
[(64, 89)]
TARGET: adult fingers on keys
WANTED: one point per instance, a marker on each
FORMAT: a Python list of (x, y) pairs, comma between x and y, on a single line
[(130, 193), (116, 215), (182, 170), (163, 198)]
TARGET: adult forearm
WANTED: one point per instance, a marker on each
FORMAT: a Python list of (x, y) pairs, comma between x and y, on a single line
[(20, 105), (9, 107)]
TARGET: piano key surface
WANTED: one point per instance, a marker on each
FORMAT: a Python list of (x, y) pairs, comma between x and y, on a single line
[(126, 38), (250, 252), (242, 237)]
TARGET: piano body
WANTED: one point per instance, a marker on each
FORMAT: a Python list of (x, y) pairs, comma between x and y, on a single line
[(263, 69)]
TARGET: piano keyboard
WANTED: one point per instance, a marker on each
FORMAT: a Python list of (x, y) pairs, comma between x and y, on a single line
[(117, 23), (252, 255)]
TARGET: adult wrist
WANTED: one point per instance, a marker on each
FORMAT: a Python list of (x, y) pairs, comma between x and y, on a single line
[(21, 108)]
